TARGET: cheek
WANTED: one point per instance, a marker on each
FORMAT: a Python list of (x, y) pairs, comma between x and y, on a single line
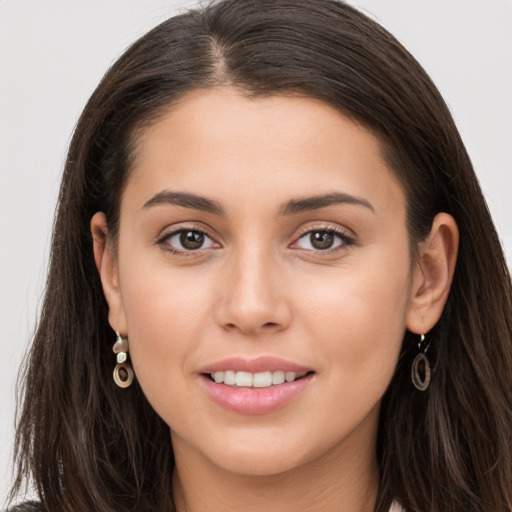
[(358, 322), (166, 313)]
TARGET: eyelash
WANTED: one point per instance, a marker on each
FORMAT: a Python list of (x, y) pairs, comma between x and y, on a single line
[(345, 240), (164, 241)]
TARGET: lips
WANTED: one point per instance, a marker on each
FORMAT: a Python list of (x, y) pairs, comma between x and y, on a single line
[(255, 386), (257, 365)]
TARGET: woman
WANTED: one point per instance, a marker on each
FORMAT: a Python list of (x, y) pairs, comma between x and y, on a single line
[(270, 232)]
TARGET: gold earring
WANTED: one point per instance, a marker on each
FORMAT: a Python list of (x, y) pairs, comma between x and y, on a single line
[(420, 371), (123, 372)]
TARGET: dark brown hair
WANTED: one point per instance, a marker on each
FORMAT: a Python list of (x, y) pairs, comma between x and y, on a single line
[(88, 445)]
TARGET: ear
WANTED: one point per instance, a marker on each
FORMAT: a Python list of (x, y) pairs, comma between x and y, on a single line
[(433, 274), (106, 263)]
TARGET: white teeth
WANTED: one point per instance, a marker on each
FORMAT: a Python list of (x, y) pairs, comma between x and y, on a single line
[(262, 380), (289, 376), (243, 379), (229, 378), (257, 380), (278, 377)]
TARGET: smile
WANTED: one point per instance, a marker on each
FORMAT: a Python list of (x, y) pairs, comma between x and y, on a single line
[(255, 380), (255, 386)]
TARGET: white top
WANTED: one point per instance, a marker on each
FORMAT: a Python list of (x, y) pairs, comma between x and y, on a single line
[(395, 507)]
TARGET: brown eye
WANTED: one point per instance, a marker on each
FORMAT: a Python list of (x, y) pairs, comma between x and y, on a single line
[(191, 240), (321, 239), (188, 240)]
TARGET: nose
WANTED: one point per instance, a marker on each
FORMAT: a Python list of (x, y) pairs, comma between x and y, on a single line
[(253, 295)]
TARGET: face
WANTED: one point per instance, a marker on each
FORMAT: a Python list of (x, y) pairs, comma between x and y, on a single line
[(262, 241)]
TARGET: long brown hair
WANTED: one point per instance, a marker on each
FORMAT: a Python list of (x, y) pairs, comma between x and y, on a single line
[(88, 445)]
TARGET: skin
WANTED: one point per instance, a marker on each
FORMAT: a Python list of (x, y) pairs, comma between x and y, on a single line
[(258, 287)]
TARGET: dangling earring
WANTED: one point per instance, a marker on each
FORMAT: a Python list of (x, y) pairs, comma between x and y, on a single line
[(420, 372), (123, 373)]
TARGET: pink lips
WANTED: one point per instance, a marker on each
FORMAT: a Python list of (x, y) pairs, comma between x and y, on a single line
[(254, 401), (259, 364)]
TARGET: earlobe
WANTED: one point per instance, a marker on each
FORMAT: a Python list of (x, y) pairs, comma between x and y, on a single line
[(433, 274), (106, 264)]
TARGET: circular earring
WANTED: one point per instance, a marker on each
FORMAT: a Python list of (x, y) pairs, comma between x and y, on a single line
[(123, 372), (420, 371)]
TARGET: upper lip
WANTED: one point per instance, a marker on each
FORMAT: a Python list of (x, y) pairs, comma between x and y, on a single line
[(254, 365)]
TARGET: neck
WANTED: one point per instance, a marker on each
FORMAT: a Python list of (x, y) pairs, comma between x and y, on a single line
[(343, 480)]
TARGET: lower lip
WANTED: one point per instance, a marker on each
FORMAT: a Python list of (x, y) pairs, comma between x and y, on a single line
[(255, 400)]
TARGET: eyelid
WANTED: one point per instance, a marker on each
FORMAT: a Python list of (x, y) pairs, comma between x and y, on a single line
[(325, 226), (173, 230), (343, 233)]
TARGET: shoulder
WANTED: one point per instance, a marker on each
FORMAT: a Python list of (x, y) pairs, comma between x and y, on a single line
[(28, 506)]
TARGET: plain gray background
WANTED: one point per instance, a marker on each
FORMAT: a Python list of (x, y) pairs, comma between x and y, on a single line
[(53, 53)]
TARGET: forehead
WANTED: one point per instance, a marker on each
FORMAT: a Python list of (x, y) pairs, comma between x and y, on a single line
[(220, 142)]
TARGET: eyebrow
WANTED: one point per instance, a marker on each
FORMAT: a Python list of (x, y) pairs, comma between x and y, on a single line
[(294, 206), (187, 201), (322, 201)]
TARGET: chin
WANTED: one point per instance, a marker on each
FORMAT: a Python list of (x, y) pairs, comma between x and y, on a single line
[(259, 457), (260, 465)]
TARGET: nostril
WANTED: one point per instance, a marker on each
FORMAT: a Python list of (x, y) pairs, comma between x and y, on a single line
[(268, 325)]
